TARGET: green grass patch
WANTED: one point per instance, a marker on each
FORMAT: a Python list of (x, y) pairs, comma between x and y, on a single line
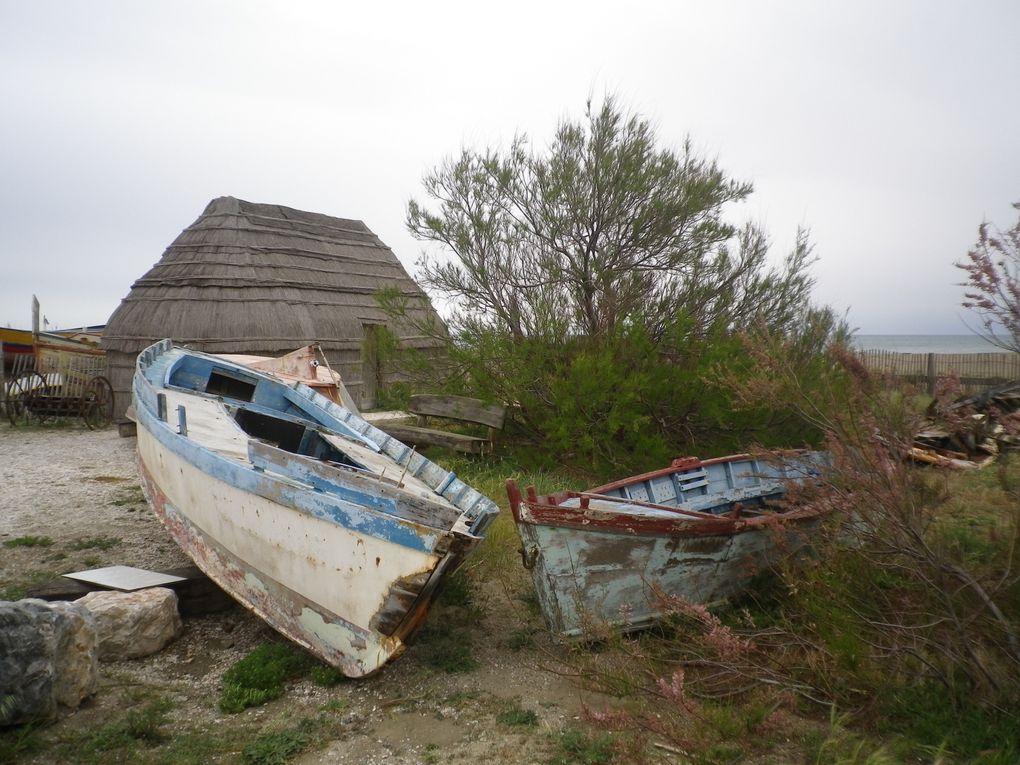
[(12, 592), (18, 741), (458, 590), (259, 676), (94, 543), (28, 541), (142, 726), (336, 706), (520, 639), (577, 747), (275, 748), (446, 647), (131, 495), (326, 676), (517, 717)]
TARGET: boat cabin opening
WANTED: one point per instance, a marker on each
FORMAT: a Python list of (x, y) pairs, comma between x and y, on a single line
[(229, 386)]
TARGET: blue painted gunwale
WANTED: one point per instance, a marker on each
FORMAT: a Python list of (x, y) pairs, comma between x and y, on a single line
[(303, 498)]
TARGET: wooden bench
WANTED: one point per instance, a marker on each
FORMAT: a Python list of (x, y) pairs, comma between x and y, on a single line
[(457, 408)]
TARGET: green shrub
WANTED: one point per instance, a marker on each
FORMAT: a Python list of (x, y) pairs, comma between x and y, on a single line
[(275, 748), (259, 676)]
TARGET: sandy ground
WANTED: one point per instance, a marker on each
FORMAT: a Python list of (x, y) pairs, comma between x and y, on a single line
[(77, 486)]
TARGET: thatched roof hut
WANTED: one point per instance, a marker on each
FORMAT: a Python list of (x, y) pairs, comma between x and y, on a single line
[(264, 279)]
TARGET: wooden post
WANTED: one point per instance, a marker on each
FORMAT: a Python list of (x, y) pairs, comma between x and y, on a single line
[(3, 379), (931, 374)]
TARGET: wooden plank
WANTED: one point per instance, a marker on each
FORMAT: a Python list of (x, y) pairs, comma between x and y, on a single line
[(459, 408), (411, 434)]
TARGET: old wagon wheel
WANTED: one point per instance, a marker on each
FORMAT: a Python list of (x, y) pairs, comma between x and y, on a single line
[(39, 399), (19, 395), (97, 403)]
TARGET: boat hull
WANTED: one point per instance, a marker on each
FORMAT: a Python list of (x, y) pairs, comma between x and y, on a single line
[(586, 579), (346, 571), (603, 558)]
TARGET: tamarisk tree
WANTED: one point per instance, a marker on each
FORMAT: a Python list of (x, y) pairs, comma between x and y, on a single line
[(583, 277), (993, 284)]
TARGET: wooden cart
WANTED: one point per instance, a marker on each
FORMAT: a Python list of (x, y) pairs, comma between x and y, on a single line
[(56, 380)]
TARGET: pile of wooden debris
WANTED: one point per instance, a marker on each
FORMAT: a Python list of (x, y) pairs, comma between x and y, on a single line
[(970, 431)]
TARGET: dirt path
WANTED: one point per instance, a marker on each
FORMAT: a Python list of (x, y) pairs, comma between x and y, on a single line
[(80, 490)]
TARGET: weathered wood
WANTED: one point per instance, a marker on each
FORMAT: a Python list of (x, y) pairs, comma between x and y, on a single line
[(459, 408), (196, 593), (412, 434)]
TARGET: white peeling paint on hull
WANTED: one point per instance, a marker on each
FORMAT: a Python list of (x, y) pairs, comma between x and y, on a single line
[(335, 534), (275, 582)]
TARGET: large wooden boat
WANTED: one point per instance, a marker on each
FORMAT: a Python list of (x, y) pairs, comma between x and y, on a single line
[(336, 534), (696, 529)]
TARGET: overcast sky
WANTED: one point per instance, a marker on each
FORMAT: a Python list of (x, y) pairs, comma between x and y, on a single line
[(889, 129)]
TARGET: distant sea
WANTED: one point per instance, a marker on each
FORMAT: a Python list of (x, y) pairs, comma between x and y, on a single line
[(925, 343)]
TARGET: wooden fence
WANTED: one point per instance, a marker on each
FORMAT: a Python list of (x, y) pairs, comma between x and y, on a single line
[(976, 371)]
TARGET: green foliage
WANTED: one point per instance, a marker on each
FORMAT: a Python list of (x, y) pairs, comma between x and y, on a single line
[(520, 639), (446, 644), (13, 592), (597, 287), (139, 726), (458, 590), (275, 748), (259, 676), (576, 747), (925, 713), (336, 706), (517, 717), (131, 495), (101, 543), (28, 541), (17, 741), (326, 676)]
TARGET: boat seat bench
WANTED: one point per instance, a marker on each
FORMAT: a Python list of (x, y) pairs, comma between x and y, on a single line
[(456, 408)]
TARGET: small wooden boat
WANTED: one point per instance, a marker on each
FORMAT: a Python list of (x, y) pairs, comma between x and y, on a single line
[(696, 529), (336, 534)]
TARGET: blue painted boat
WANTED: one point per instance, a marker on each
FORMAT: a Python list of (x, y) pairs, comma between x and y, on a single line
[(697, 529), (336, 534)]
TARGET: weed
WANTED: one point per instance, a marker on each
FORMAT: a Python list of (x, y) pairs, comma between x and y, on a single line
[(431, 754), (458, 590), (132, 495), (517, 717), (28, 541), (721, 754), (575, 747), (275, 748), (17, 741), (460, 697), (520, 639), (13, 592), (107, 478), (259, 676), (447, 649), (93, 560), (100, 543), (336, 706), (326, 676), (138, 726)]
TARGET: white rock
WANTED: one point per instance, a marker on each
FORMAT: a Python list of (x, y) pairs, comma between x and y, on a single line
[(133, 624)]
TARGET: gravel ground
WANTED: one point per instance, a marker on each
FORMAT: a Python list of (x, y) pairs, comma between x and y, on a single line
[(77, 486)]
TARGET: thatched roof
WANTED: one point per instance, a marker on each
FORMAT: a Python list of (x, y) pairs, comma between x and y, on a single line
[(262, 277)]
